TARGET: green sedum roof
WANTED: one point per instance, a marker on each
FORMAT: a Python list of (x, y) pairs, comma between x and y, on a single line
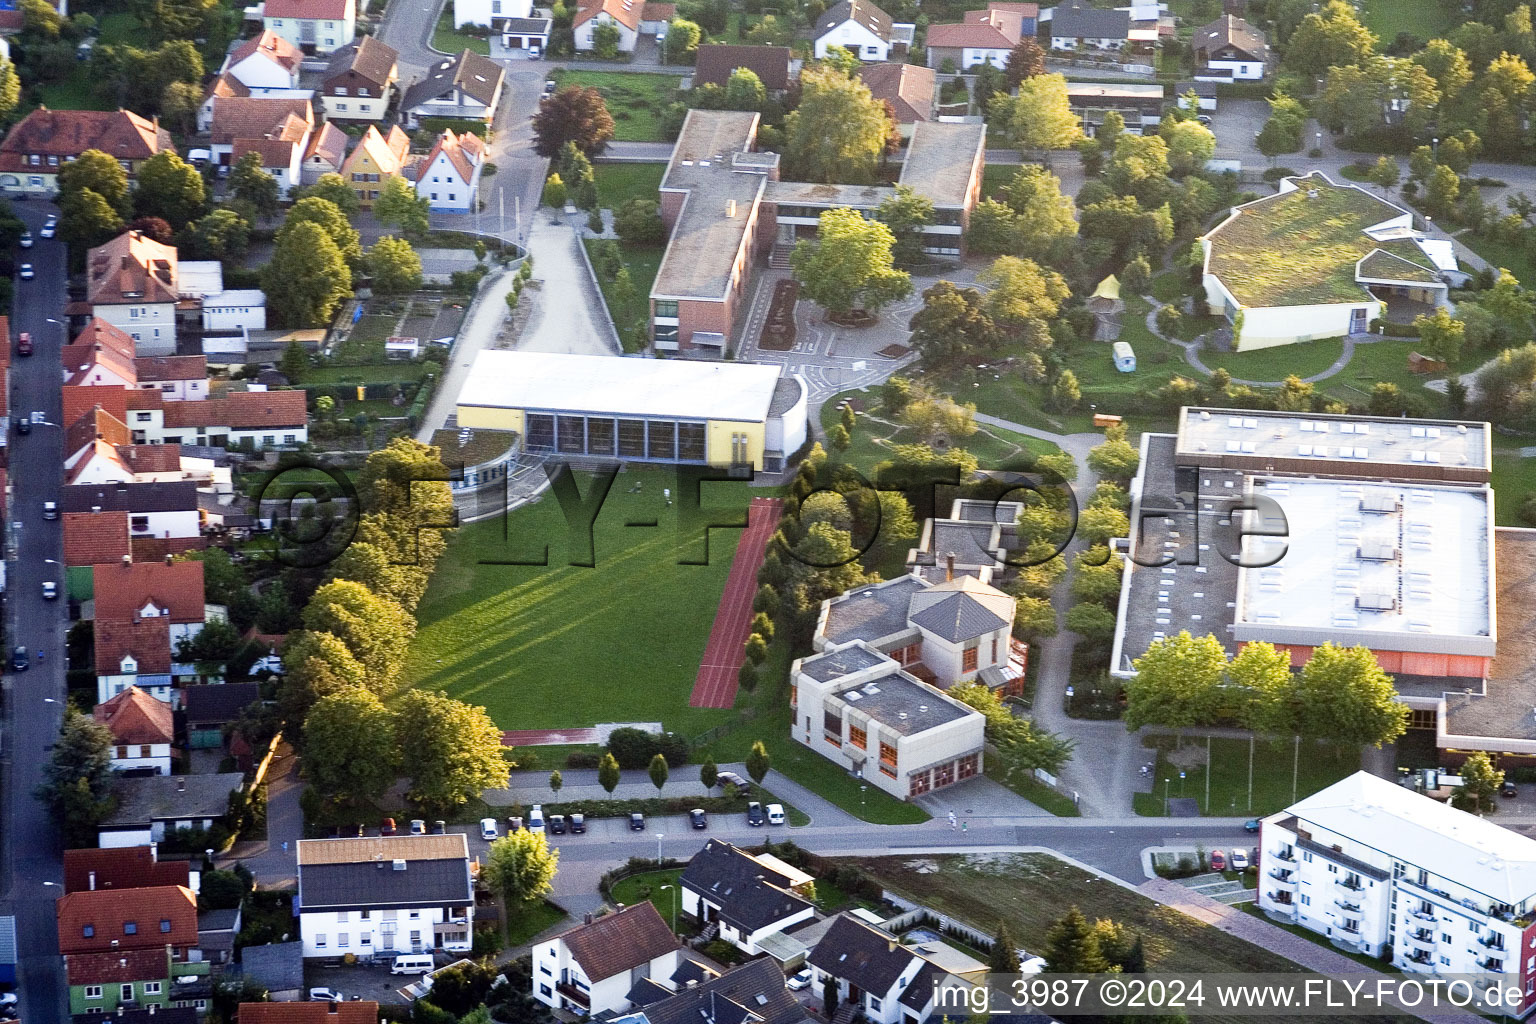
[(1398, 259), (1296, 249)]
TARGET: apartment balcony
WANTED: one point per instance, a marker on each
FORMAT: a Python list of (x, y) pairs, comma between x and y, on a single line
[(1346, 886), (1422, 939), (1492, 964), (1286, 856), (1424, 915), (1344, 903), (1492, 940), (1420, 958), (574, 994), (1284, 879)]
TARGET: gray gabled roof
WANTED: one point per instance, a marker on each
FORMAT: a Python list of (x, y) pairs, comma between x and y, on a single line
[(749, 894), (1078, 21), (279, 966), (957, 618), (479, 77), (867, 957), (422, 883), (752, 992)]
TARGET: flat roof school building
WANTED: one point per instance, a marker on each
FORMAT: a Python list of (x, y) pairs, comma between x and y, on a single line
[(1388, 541), (641, 410), (724, 207)]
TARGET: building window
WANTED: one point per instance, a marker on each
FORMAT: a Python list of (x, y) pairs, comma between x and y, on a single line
[(130, 927), (151, 988), (794, 694), (832, 724), (93, 991), (857, 737), (887, 753), (140, 522), (874, 1004), (145, 751), (921, 783), (341, 90), (944, 775), (666, 307), (122, 753), (343, 939), (994, 650), (968, 765), (319, 940), (268, 440), (968, 660), (125, 992)]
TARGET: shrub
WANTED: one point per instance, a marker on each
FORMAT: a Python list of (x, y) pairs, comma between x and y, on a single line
[(634, 748), (583, 759)]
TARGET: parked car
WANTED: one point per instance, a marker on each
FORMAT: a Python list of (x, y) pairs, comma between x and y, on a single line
[(514, 824), (326, 995), (1508, 790), (24, 344), (549, 87), (488, 830), (799, 980), (24, 425), (636, 822), (775, 814), (557, 824), (698, 819), (387, 827), (578, 823), (26, 273), (535, 51), (536, 819), (26, 240), (50, 590), (1251, 825), (726, 779), (418, 827), (1218, 861), (19, 660), (50, 510), (1239, 860), (755, 814), (1204, 119), (51, 227)]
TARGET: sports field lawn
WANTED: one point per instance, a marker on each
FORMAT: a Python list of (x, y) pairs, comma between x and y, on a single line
[(561, 645), (1279, 362), (619, 183), (1275, 765), (1419, 17), (635, 99)]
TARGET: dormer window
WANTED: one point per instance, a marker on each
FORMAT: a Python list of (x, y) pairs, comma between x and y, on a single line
[(341, 90), (165, 926), (53, 161), (34, 160), (129, 666), (89, 931)]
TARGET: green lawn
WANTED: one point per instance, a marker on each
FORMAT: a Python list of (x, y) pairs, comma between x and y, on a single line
[(1510, 257), (1372, 962), (1030, 892), (994, 177), (448, 39), (631, 311), (530, 921), (1273, 364), (365, 345), (619, 183), (648, 887), (1036, 792), (384, 373), (635, 99), (561, 645), (1320, 765), (1420, 17), (1514, 477), (994, 446)]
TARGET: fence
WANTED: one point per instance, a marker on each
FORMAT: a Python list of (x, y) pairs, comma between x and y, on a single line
[(724, 729), (597, 294), (914, 914)]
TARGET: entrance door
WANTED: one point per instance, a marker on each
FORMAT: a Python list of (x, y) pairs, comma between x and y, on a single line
[(1358, 322)]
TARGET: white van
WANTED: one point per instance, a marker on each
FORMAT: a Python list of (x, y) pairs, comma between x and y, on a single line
[(536, 820), (488, 829), (416, 963), (775, 814)]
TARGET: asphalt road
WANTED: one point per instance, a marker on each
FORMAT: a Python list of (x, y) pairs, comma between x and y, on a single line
[(34, 699)]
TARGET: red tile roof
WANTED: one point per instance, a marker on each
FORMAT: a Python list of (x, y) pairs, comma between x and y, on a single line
[(68, 133), (154, 549), (329, 144), (132, 268), (118, 967), (167, 368), (252, 117), (97, 425), (99, 332), (624, 11), (387, 154), (95, 538), (277, 146), (136, 717), (312, 10), (151, 458), (80, 400), (240, 410), (271, 46), (161, 916), (89, 366), (123, 590), (465, 152), (148, 640), (997, 28), (909, 88), (653, 11), (143, 399), (130, 867), (226, 85), (367, 59), (357, 1012), (618, 942)]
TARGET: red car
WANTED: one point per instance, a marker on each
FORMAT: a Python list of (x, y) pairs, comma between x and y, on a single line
[(24, 344), (1218, 861)]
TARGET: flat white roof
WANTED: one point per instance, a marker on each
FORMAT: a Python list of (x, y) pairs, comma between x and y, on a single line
[(1416, 830), (1398, 566), (236, 297), (620, 386), (199, 277), (1458, 444)]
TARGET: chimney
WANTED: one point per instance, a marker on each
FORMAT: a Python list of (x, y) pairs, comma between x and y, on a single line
[(114, 943), (890, 945), (168, 559), (586, 918), (949, 567), (152, 1009), (127, 559), (91, 881), (120, 1005), (181, 783)]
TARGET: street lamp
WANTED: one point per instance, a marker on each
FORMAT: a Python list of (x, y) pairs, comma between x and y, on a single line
[(659, 838), (1181, 783), (862, 788), (674, 905), (1165, 797)]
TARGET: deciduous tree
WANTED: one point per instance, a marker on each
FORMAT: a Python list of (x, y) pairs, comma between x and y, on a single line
[(658, 772), (1177, 682), (1332, 37), (394, 266), (330, 219), (838, 132), (451, 750), (953, 327), (1441, 335), (307, 278), (744, 91), (251, 184), (220, 235), (77, 781), (334, 188), (758, 762), (375, 629), (349, 746), (849, 266), (315, 665), (100, 173), (906, 213), (399, 206), (520, 867), (573, 114), (1026, 60), (1480, 782), (608, 773), (1039, 117), (170, 188), (86, 219), (1345, 696)]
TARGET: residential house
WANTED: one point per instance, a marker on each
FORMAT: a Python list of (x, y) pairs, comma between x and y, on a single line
[(655, 16), (911, 90), (327, 152), (129, 867), (716, 63), (385, 895), (1078, 25), (1139, 104), (1230, 49), (748, 897), (358, 80), (147, 590), (1378, 868), (166, 510), (466, 87), (862, 29), (751, 993), (92, 539), (1205, 96), (208, 307), (208, 709), (314, 26), (1321, 260), (265, 63), (981, 37), (131, 284), (449, 176), (133, 654), (241, 120), (623, 15), (591, 969), (887, 982), (279, 968), (101, 355), (258, 419), (143, 729), (149, 806), (357, 1011), (281, 149), (177, 378), (44, 140), (514, 20), (130, 947), (374, 160)]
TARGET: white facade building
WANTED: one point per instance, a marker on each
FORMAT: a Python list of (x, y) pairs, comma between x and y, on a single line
[(591, 968), (862, 29), (315, 26), (748, 897)]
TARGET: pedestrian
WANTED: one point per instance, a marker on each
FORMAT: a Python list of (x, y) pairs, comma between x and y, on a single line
[(951, 821), (965, 826), (285, 846)]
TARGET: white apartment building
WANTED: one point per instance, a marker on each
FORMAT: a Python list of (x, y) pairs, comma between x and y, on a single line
[(593, 968), (1371, 865), (385, 895), (314, 26)]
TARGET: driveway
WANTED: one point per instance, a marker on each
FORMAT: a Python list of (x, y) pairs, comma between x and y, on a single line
[(568, 315)]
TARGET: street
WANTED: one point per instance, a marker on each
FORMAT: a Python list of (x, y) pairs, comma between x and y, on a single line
[(32, 871)]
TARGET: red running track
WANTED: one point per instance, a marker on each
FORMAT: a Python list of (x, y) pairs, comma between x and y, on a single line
[(715, 685)]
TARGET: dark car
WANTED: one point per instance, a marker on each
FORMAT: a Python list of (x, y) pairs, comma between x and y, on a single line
[(1508, 790), (755, 815), (387, 827), (549, 87), (19, 660), (24, 344), (727, 780), (418, 827), (636, 822), (578, 823), (514, 824), (557, 824), (697, 818), (24, 424), (1251, 825), (439, 827)]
